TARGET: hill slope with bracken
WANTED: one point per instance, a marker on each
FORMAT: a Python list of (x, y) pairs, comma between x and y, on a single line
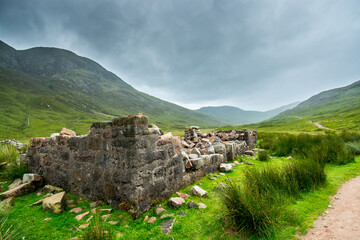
[(44, 89)]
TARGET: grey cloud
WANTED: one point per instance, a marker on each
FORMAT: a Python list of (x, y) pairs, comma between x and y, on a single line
[(251, 54)]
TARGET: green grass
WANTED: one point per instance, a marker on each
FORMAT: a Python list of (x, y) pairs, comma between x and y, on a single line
[(209, 223)]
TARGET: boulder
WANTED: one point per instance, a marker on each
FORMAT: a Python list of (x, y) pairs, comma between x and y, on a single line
[(197, 163), (15, 184), (198, 191), (152, 220), (176, 202), (67, 132), (225, 167), (159, 210), (34, 178), (182, 195), (202, 206), (52, 189), (6, 205), (18, 191), (191, 204), (55, 203), (249, 152)]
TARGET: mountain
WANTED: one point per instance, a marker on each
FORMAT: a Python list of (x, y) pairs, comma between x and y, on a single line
[(45, 89), (336, 109), (236, 116)]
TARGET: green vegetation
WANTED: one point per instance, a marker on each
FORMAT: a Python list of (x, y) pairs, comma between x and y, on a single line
[(97, 230), (8, 153), (263, 156), (9, 230)]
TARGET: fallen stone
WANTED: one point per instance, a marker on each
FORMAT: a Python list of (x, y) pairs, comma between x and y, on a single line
[(191, 204), (225, 167), (105, 217), (236, 162), (55, 203), (159, 210), (47, 219), (67, 132), (18, 191), (196, 151), (94, 211), (5, 205), (70, 201), (198, 191), (167, 216), (201, 206), (97, 204), (31, 177), (76, 210), (197, 163), (113, 222), (146, 218), (182, 214), (52, 189), (167, 226), (119, 234), (182, 195), (71, 205), (248, 163), (176, 202), (193, 156), (84, 225), (249, 152), (212, 178), (38, 194), (15, 184), (81, 216), (48, 195), (109, 210), (151, 220), (222, 174), (37, 202), (89, 219)]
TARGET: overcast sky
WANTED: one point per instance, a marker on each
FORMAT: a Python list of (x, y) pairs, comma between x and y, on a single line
[(256, 55)]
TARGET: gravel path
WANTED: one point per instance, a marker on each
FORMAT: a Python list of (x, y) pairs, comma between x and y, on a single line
[(343, 218)]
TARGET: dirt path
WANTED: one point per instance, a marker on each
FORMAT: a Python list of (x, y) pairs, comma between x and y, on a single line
[(343, 218), (321, 126)]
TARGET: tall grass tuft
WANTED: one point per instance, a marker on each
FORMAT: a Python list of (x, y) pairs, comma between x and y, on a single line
[(263, 156), (8, 153), (97, 230), (9, 230)]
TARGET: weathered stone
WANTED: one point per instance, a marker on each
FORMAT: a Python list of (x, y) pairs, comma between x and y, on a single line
[(105, 217), (47, 219), (196, 151), (225, 167), (198, 191), (67, 132), (167, 226), (152, 220), (191, 204), (5, 205), (176, 202), (89, 219), (167, 216), (197, 163), (85, 225), (182, 195), (113, 222), (146, 218), (97, 204), (193, 156), (37, 202), (249, 152), (182, 214), (76, 210), (222, 174), (248, 163), (32, 178), (159, 210), (15, 184), (202, 206), (52, 189), (55, 203), (81, 216), (109, 210), (19, 190)]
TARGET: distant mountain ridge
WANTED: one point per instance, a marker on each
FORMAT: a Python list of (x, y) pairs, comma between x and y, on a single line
[(44, 89), (237, 116)]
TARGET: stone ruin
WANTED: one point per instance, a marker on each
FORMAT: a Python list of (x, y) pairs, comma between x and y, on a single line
[(129, 164)]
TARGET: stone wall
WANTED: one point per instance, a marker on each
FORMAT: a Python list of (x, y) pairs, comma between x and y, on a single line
[(122, 162), (128, 164)]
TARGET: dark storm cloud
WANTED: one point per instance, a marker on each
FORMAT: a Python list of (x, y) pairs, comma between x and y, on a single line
[(250, 54)]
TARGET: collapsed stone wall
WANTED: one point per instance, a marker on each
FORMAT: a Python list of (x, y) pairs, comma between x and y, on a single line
[(128, 164)]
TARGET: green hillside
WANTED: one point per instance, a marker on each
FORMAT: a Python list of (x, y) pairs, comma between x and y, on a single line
[(45, 89), (235, 115), (337, 109)]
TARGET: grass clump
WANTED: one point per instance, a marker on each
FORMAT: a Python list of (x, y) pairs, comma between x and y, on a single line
[(14, 170), (8, 153), (9, 230), (257, 205), (263, 156), (97, 230)]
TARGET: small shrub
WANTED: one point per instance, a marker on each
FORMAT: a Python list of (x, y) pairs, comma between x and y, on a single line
[(263, 156), (8, 153), (97, 230)]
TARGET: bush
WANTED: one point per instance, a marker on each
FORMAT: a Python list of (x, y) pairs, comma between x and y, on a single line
[(97, 230), (8, 153), (263, 156)]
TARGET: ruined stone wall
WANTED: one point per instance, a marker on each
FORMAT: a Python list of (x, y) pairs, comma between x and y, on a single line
[(129, 165), (122, 162)]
